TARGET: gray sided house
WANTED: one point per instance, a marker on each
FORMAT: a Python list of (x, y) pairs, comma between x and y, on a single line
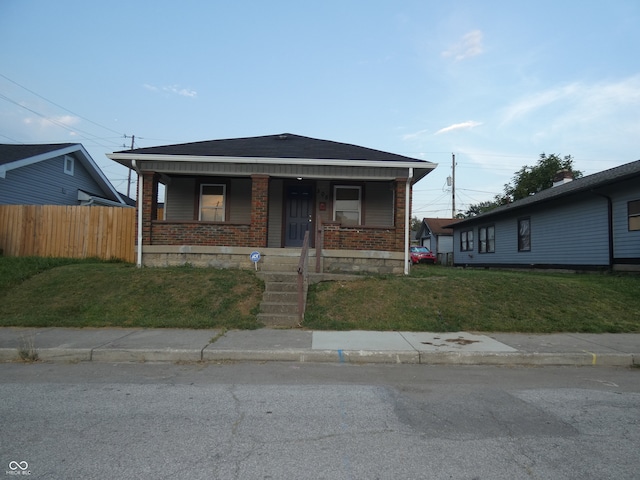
[(53, 174), (437, 235), (589, 223), (225, 199)]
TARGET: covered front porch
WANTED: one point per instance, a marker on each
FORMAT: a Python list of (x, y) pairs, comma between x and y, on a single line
[(353, 226)]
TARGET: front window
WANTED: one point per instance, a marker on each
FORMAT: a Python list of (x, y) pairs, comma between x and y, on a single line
[(347, 205), (466, 241), (524, 235), (633, 210), (487, 239), (212, 203)]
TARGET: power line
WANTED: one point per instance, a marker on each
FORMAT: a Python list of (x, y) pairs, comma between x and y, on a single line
[(55, 122), (57, 105)]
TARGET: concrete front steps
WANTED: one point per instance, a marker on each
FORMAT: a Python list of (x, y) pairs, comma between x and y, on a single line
[(279, 306)]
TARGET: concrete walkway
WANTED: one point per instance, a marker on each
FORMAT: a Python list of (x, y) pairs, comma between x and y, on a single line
[(461, 348)]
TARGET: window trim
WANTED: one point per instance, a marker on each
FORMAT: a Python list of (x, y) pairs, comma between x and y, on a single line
[(489, 247), (466, 245), (635, 216), (335, 201), (521, 246), (68, 164), (224, 201)]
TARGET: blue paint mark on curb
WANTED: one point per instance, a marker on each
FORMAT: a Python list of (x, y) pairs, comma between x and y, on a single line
[(340, 356)]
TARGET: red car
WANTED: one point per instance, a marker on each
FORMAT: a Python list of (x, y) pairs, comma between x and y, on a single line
[(422, 255)]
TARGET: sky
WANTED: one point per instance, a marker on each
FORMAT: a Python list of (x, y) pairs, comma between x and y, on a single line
[(495, 83)]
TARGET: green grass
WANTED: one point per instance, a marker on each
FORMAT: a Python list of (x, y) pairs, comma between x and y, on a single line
[(42, 292), (442, 299), (37, 292)]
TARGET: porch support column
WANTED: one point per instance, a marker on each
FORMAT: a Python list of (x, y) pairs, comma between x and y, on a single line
[(259, 209), (149, 204), (401, 212)]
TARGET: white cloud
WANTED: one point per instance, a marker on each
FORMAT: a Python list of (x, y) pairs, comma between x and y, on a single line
[(579, 102), (469, 45), (173, 89), (459, 126)]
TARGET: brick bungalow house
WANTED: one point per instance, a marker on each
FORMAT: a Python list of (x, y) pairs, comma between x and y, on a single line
[(227, 198)]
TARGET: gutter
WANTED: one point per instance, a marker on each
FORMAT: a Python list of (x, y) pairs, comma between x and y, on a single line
[(139, 204), (407, 227)]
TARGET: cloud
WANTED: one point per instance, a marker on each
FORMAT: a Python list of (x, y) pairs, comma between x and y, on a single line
[(173, 89), (579, 102), (46, 122), (469, 45), (459, 126)]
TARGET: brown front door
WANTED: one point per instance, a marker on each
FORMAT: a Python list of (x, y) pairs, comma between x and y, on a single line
[(298, 214)]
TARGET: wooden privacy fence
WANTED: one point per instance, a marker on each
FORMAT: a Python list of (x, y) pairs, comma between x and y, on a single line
[(68, 231)]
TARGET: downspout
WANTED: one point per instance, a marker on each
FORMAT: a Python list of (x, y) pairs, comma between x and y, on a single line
[(609, 225), (139, 203), (407, 226)]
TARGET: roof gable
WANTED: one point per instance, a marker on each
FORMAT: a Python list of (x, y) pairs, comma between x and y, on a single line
[(10, 153), (438, 226), (14, 156)]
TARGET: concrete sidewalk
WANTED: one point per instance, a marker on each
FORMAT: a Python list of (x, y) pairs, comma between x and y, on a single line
[(460, 348)]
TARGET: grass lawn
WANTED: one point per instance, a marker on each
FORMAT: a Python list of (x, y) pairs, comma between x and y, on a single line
[(441, 299), (38, 292)]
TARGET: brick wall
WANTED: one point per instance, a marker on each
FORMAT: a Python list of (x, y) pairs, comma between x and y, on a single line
[(198, 233), (259, 209)]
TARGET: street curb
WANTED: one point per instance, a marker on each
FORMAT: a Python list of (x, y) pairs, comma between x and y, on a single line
[(211, 355)]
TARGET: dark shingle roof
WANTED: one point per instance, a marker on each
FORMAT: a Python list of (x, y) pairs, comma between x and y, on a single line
[(590, 182), (13, 152), (285, 145)]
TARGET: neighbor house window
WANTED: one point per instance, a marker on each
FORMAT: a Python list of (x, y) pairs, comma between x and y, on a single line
[(466, 241), (212, 202), (347, 205), (487, 239), (69, 163), (633, 210), (524, 235)]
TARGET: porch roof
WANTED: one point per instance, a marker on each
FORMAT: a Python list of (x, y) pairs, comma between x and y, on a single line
[(282, 149)]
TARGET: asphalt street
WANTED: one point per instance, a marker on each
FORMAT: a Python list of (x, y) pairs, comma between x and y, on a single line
[(311, 421)]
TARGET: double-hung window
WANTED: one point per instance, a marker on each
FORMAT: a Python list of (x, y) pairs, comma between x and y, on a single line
[(466, 241), (347, 205), (633, 211), (212, 202), (487, 239), (524, 235)]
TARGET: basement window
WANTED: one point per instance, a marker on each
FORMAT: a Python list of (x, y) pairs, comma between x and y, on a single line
[(69, 164)]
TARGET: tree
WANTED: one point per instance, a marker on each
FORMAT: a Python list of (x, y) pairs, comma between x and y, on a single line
[(531, 180), (528, 181)]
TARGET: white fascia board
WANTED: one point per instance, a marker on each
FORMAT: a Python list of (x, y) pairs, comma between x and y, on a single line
[(268, 160), (98, 175)]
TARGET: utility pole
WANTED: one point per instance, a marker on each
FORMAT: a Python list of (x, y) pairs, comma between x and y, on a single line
[(453, 185), (133, 138)]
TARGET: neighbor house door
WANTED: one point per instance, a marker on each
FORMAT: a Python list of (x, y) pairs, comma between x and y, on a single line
[(298, 214)]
